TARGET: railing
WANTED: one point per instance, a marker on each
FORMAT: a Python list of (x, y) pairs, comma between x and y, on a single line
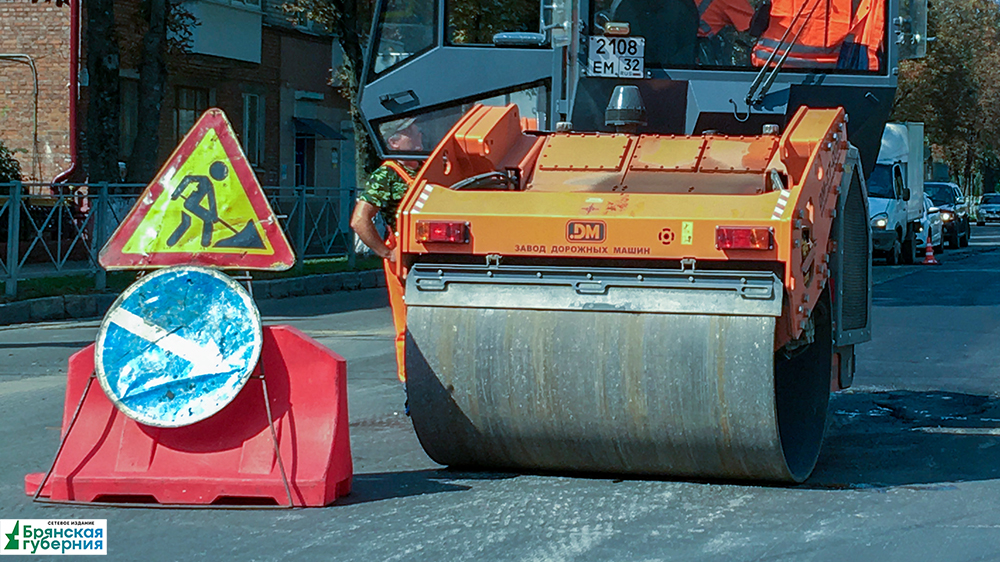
[(55, 230)]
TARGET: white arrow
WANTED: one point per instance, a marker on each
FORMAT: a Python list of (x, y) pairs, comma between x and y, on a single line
[(197, 353)]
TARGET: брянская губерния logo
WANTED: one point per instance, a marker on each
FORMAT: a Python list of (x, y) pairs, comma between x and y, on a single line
[(53, 536)]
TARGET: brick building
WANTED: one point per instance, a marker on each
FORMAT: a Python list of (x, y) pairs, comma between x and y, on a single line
[(270, 76), (35, 38)]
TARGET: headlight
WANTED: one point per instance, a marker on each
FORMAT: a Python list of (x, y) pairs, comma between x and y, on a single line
[(946, 216), (880, 221)]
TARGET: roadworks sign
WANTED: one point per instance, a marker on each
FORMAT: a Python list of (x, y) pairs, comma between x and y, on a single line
[(205, 207)]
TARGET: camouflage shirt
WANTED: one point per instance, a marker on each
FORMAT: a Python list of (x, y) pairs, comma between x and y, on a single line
[(385, 189)]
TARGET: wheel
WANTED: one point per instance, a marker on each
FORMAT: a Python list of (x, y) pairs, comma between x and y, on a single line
[(895, 254), (980, 223), (911, 249), (953, 240), (964, 241)]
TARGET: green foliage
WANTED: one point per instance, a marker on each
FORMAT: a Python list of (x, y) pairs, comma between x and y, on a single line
[(10, 168), (955, 90), (476, 21)]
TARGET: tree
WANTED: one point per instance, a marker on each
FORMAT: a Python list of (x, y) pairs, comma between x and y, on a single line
[(10, 168), (104, 106), (350, 21), (955, 90), (168, 28)]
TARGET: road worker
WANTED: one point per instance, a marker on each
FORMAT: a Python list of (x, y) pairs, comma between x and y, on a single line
[(381, 195)]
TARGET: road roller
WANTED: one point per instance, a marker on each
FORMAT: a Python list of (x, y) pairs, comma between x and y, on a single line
[(638, 242)]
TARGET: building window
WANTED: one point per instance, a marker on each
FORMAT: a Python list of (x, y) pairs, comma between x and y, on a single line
[(253, 128), (191, 103)]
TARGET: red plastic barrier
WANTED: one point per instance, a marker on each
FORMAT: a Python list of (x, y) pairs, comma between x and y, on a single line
[(228, 458)]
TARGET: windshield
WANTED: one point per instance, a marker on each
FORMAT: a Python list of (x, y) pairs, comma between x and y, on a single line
[(940, 193), (842, 35), (880, 182), (420, 133), (990, 200)]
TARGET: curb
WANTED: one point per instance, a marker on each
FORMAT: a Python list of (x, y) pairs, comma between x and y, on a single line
[(68, 307)]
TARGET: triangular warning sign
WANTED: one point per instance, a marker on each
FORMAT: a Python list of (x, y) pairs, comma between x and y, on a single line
[(205, 207)]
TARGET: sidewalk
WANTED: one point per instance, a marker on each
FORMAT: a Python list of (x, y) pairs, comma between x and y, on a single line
[(95, 305)]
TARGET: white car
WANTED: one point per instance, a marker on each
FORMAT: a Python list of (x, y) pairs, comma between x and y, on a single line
[(931, 223)]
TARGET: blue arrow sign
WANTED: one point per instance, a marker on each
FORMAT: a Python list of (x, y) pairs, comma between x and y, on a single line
[(177, 346)]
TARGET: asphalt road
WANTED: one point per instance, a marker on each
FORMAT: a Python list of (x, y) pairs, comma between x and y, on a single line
[(910, 469)]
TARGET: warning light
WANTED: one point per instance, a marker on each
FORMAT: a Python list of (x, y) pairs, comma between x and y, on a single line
[(446, 232), (744, 238)]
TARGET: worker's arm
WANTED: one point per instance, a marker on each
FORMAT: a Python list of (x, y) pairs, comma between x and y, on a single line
[(188, 180), (363, 223)]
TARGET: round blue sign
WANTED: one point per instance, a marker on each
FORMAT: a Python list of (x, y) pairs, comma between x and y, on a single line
[(178, 345)]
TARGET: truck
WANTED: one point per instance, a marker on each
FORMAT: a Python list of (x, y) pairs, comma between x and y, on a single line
[(896, 193), (622, 256)]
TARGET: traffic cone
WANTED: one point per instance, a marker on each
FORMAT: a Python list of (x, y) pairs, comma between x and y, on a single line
[(929, 253)]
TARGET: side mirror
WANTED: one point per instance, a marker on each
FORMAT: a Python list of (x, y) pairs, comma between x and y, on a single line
[(906, 194), (960, 200)]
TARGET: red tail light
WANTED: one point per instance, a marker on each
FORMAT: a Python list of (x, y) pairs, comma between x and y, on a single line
[(440, 231), (744, 238)]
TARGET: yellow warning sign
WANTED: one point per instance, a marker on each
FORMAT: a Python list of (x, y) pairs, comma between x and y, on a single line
[(201, 210), (205, 207)]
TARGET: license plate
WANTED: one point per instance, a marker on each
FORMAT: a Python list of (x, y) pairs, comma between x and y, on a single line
[(616, 57)]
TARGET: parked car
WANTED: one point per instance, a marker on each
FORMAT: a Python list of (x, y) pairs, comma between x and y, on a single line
[(954, 211), (931, 223), (989, 209)]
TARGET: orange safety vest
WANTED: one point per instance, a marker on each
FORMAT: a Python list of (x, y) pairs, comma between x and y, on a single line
[(868, 31), (822, 27), (834, 36), (717, 14)]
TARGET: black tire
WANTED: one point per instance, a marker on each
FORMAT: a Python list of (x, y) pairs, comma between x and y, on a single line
[(964, 241), (953, 240), (910, 249), (980, 223)]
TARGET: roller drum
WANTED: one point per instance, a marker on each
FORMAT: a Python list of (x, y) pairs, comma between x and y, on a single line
[(583, 386)]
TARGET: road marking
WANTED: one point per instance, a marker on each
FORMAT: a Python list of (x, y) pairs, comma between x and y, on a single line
[(28, 384), (960, 430)]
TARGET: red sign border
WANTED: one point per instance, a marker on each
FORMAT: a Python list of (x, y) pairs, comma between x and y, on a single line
[(113, 258)]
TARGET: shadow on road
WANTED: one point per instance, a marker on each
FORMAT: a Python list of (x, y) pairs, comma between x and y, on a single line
[(898, 438), (391, 485), (318, 305)]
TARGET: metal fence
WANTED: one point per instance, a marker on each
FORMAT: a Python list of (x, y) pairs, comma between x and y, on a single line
[(55, 230)]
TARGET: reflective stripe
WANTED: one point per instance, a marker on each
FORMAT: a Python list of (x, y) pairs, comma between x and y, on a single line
[(798, 49)]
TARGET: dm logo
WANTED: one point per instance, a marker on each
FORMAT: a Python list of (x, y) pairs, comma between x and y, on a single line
[(586, 231)]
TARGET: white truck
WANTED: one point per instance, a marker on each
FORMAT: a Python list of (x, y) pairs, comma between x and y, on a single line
[(896, 192)]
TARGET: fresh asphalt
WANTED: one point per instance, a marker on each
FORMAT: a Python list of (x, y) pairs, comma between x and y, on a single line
[(910, 470)]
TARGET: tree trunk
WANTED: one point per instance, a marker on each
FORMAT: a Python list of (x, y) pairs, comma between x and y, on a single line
[(104, 108), (144, 161), (970, 160), (349, 35)]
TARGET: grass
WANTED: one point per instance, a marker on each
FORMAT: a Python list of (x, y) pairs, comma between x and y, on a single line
[(117, 281)]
